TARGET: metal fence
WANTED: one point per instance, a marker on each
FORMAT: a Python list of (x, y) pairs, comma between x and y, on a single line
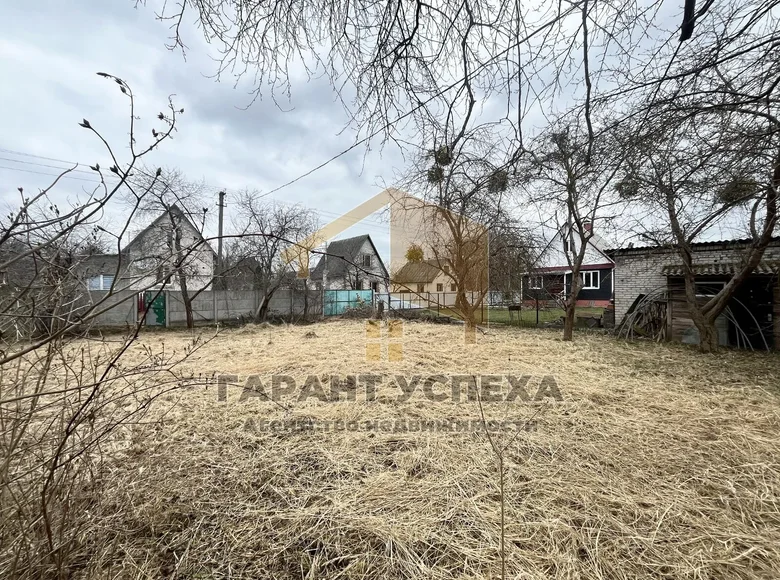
[(338, 301)]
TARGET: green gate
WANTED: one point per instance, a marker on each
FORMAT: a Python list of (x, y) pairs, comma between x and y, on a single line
[(154, 308), (337, 301)]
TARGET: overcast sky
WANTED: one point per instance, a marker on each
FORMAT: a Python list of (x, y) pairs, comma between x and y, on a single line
[(50, 51)]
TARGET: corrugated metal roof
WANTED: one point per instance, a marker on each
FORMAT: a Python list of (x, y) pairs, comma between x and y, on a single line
[(721, 269), (734, 242)]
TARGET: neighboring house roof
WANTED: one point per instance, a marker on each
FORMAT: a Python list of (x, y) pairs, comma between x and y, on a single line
[(99, 263), (163, 218), (343, 254), (720, 269), (423, 272), (715, 244)]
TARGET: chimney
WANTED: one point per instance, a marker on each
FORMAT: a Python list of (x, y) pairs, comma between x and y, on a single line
[(588, 225)]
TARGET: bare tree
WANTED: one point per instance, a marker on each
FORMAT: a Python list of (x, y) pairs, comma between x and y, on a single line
[(63, 398), (714, 171), (267, 229), (398, 61), (572, 181), (510, 255), (463, 182)]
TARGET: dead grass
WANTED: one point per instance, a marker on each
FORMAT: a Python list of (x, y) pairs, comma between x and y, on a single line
[(659, 463)]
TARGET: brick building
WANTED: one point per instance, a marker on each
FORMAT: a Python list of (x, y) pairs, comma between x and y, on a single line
[(753, 315)]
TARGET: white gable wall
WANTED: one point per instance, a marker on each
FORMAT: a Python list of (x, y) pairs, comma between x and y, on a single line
[(152, 249), (555, 257)]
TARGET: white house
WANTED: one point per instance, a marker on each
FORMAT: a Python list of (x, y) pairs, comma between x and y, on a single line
[(351, 264), (150, 258)]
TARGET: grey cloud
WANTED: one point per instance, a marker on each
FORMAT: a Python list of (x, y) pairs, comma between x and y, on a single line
[(64, 44)]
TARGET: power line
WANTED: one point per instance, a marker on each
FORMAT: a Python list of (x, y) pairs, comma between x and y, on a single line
[(37, 156), (50, 174), (91, 172), (375, 225)]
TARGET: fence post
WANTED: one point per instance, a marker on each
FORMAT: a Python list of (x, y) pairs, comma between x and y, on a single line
[(167, 307), (214, 306)]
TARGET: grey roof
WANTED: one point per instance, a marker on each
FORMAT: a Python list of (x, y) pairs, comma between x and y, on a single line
[(417, 272), (721, 269), (343, 254), (711, 244), (100, 264)]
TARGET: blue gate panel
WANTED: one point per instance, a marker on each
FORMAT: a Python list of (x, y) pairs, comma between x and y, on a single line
[(337, 301)]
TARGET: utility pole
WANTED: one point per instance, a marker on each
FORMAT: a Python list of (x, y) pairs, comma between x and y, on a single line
[(218, 265), (219, 233)]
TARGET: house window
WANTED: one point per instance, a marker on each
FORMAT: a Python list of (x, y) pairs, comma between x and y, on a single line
[(163, 273), (421, 287), (590, 280), (100, 282), (3, 278), (439, 287), (536, 283), (366, 260), (708, 289), (375, 286), (453, 288)]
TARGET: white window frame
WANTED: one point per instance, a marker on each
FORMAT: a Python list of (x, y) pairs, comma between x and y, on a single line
[(104, 282), (709, 293), (592, 273), (536, 282), (439, 287), (366, 260)]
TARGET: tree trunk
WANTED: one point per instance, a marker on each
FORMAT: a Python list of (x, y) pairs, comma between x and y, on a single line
[(179, 266), (305, 299), (704, 323), (262, 310), (471, 330), (708, 335), (568, 322), (185, 297), (570, 305)]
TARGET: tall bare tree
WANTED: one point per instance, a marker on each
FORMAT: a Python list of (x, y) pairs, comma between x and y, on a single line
[(463, 178), (700, 173), (572, 180), (266, 230)]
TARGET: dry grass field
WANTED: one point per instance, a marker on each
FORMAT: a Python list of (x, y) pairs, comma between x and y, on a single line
[(658, 462)]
